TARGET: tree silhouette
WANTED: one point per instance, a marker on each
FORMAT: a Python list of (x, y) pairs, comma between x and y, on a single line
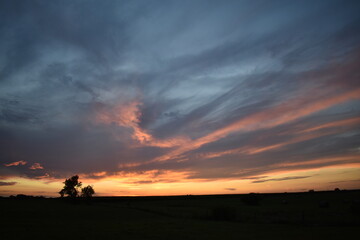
[(87, 191), (71, 187)]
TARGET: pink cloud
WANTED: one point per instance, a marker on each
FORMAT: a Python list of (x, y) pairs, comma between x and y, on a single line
[(281, 114), (36, 166), (15, 163), (128, 115)]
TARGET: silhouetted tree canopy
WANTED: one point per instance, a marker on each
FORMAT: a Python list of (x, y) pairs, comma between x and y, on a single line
[(71, 187)]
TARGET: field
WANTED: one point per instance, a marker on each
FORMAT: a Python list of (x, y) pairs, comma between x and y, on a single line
[(310, 215)]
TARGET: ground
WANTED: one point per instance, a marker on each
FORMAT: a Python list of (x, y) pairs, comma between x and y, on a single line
[(318, 215)]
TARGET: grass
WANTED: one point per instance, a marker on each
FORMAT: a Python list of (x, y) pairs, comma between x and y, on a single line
[(277, 216)]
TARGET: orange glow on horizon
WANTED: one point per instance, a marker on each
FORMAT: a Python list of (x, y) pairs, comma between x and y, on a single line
[(157, 182), (145, 184)]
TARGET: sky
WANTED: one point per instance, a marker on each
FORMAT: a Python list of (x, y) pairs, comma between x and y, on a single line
[(179, 97)]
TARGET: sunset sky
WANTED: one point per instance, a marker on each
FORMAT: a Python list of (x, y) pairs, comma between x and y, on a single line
[(179, 97)]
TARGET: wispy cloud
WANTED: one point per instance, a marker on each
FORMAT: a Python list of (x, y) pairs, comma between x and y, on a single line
[(280, 179), (273, 117), (18, 163), (129, 115), (36, 166), (197, 91), (7, 183)]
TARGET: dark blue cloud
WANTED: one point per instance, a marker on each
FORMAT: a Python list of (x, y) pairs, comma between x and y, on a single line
[(178, 72)]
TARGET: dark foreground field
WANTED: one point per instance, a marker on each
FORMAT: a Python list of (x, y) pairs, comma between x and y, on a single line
[(318, 215)]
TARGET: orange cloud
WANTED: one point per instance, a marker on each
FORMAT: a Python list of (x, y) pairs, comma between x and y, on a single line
[(102, 174), (334, 160), (129, 165), (45, 176), (342, 123), (352, 161), (99, 174), (288, 142), (128, 115), (308, 135), (15, 163), (36, 166), (130, 179), (268, 118)]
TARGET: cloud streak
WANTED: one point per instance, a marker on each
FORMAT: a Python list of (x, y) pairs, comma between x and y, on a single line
[(36, 166), (7, 183), (280, 179), (18, 163)]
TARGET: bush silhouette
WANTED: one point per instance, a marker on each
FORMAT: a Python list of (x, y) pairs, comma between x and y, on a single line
[(87, 192)]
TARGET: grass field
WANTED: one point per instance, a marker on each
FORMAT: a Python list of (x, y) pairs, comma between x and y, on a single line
[(318, 215)]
